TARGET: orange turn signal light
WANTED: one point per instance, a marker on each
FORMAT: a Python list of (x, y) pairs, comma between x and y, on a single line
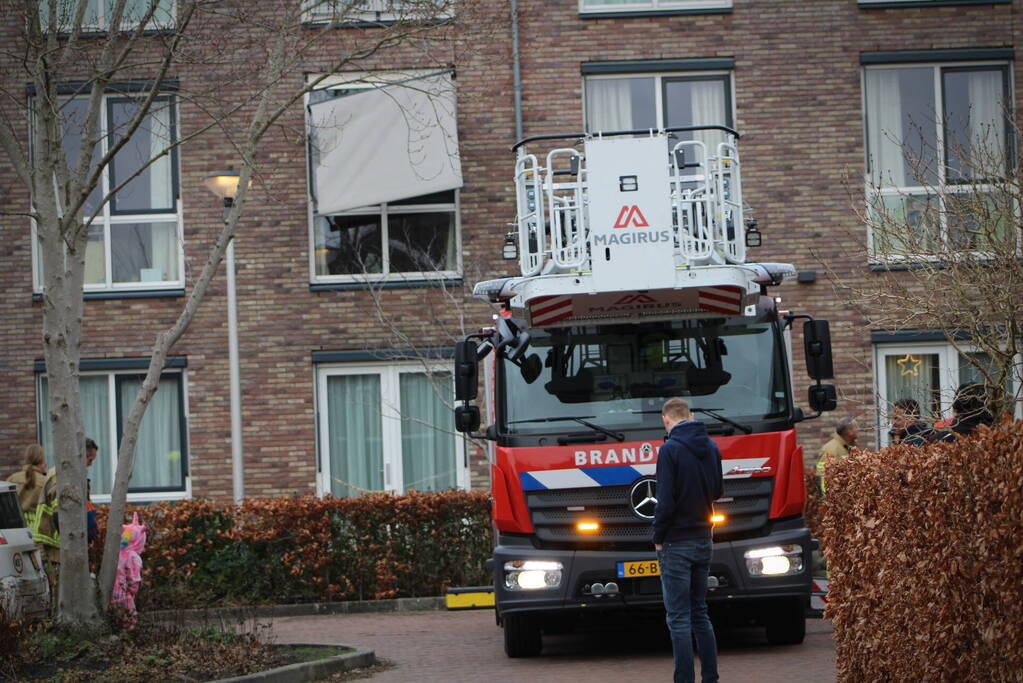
[(717, 519), (587, 526)]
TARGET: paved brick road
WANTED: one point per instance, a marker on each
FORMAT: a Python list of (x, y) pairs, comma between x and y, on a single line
[(467, 646)]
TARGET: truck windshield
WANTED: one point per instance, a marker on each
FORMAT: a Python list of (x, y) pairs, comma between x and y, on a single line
[(620, 375)]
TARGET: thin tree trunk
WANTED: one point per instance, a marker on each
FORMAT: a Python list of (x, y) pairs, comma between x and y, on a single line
[(62, 316)]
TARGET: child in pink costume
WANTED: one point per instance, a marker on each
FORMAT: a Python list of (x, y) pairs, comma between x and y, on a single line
[(129, 569)]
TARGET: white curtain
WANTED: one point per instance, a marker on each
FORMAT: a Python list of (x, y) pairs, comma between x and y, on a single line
[(165, 253), (354, 433), (95, 256), (708, 109), (158, 450), (913, 375), (160, 186), (384, 144), (427, 444), (96, 412), (96, 418), (609, 104), (987, 122), (884, 127)]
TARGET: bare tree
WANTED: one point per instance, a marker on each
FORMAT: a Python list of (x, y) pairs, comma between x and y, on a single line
[(947, 256), (72, 59)]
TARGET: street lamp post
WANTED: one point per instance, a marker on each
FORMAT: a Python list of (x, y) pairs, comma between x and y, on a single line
[(224, 184)]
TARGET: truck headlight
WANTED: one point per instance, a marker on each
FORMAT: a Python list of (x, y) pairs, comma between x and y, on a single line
[(775, 560), (527, 575)]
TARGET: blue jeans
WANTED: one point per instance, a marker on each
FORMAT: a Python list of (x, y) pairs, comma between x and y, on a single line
[(685, 566)]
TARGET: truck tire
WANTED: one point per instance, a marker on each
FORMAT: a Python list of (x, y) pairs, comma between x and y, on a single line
[(521, 636), (786, 624)]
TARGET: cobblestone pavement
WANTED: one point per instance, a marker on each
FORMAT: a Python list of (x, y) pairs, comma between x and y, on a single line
[(467, 646)]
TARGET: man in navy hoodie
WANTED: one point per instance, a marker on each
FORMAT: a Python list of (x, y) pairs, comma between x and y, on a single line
[(688, 482)]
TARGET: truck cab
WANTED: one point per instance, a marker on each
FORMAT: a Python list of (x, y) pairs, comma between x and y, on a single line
[(633, 289)]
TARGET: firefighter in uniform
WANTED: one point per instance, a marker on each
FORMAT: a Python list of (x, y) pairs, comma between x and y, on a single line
[(846, 431), (42, 521)]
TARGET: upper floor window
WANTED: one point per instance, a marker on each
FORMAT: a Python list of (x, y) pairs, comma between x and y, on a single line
[(97, 14), (134, 238), (615, 6), (384, 173), (937, 142), (376, 11), (657, 101)]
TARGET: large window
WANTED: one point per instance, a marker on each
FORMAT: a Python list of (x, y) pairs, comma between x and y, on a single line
[(161, 470), (660, 101), (387, 428), (615, 6), (134, 240), (411, 237), (928, 373), (98, 14), (936, 140)]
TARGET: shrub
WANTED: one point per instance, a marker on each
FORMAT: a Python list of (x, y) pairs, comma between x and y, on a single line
[(926, 558), (313, 549)]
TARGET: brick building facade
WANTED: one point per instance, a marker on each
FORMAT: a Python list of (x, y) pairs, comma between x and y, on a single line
[(792, 76)]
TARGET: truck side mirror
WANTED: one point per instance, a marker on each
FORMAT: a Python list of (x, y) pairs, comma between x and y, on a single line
[(467, 418), (466, 371), (817, 345), (822, 397)]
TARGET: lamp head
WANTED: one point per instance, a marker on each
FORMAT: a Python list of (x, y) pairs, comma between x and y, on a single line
[(224, 184)]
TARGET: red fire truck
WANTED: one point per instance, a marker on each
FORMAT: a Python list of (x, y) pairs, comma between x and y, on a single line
[(634, 287)]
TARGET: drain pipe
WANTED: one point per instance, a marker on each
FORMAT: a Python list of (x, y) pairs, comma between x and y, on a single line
[(516, 69)]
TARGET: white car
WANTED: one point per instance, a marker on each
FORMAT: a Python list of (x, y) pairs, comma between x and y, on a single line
[(24, 590)]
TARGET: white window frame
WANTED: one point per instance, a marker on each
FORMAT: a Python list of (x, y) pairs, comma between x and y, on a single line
[(948, 369), (109, 451), (390, 399), (376, 11), (939, 151), (105, 219), (366, 80), (659, 77), (103, 23), (655, 6)]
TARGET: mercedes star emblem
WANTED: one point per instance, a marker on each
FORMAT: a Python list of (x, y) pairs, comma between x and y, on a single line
[(643, 498)]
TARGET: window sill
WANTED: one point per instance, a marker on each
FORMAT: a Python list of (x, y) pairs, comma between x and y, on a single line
[(316, 24), (593, 14), (383, 284), (893, 4), (102, 32), (37, 297), (144, 497)]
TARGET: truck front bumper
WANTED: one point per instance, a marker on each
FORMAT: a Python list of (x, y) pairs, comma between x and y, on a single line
[(582, 568)]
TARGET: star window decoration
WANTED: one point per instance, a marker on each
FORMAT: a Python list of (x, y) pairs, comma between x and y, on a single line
[(909, 366)]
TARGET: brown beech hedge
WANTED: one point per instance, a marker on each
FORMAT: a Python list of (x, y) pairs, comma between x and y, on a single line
[(310, 549), (925, 549)]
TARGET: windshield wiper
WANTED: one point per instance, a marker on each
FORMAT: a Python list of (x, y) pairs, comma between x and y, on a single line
[(548, 419), (617, 436), (745, 429)]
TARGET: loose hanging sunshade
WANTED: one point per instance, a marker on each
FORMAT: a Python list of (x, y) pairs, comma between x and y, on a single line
[(388, 143)]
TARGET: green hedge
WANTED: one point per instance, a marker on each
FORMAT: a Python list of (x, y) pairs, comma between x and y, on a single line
[(310, 549)]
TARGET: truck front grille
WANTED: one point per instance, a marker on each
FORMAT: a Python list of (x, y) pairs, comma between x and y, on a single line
[(745, 504)]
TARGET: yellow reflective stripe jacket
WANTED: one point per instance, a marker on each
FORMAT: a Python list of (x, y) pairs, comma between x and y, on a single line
[(41, 519)]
